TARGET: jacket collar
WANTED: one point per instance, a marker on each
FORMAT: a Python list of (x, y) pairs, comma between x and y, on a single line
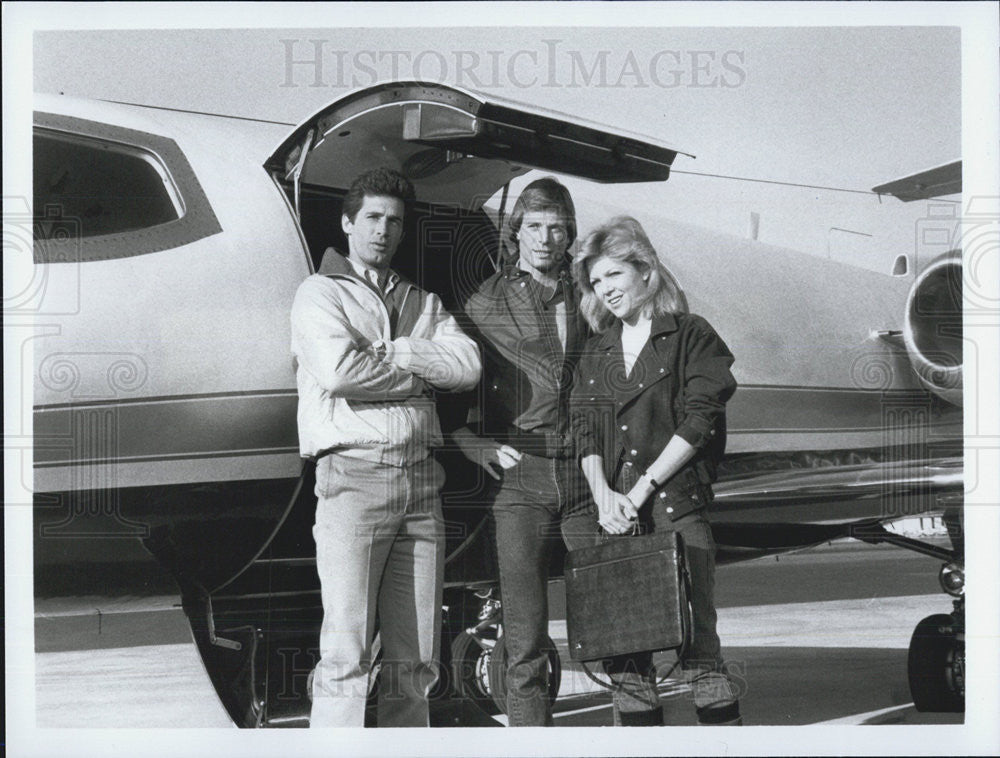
[(510, 270), (335, 263), (661, 325)]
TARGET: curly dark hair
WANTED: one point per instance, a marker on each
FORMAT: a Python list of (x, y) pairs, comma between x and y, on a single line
[(379, 182)]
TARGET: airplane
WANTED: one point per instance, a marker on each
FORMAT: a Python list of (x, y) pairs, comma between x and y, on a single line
[(168, 247)]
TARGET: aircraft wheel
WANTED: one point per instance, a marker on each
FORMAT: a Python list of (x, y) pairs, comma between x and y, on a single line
[(470, 667), (498, 672), (936, 666)]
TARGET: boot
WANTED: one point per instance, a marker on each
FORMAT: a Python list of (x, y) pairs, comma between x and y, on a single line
[(652, 717), (720, 715)]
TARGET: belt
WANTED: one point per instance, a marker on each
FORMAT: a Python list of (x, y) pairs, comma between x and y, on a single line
[(542, 444)]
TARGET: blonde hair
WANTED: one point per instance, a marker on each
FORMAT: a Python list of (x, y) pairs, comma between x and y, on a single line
[(622, 238)]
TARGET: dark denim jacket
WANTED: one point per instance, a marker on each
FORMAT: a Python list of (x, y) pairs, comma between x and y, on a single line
[(679, 385), (527, 375)]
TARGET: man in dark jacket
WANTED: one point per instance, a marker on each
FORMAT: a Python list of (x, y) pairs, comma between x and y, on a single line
[(527, 321)]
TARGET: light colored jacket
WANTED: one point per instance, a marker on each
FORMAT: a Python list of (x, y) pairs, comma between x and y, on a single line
[(352, 401)]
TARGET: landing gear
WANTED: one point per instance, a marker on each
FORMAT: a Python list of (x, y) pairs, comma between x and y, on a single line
[(936, 663), (936, 660), (470, 666), (479, 662)]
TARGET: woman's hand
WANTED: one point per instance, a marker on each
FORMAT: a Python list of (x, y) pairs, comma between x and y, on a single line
[(616, 512)]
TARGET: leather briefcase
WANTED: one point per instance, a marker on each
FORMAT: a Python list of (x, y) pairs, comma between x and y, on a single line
[(626, 595)]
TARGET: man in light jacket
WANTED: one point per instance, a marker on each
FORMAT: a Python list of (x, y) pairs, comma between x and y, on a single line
[(369, 347)]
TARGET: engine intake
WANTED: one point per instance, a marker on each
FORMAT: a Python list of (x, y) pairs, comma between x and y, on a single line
[(932, 327)]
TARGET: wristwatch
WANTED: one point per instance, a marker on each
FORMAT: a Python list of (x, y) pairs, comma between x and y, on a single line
[(652, 481), (380, 349)]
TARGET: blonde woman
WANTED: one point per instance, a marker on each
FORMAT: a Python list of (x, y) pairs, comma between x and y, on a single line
[(648, 410)]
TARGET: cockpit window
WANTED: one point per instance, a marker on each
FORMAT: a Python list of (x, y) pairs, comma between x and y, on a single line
[(103, 192)]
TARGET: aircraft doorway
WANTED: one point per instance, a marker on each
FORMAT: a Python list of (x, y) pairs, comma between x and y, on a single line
[(445, 249)]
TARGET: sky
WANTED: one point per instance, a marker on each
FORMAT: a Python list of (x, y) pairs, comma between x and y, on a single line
[(831, 106), (835, 107)]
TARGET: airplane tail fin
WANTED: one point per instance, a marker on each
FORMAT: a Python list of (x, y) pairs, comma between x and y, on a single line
[(945, 179)]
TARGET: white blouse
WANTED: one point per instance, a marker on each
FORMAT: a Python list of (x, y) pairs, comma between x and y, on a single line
[(633, 340)]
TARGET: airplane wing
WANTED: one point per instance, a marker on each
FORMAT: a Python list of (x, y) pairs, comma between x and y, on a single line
[(945, 179), (763, 512)]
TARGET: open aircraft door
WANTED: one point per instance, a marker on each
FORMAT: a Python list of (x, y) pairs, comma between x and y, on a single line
[(457, 147), (258, 632)]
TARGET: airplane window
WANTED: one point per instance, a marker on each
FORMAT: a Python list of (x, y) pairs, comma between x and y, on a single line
[(103, 192), (89, 188)]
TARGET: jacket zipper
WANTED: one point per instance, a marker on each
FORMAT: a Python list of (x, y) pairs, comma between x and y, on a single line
[(402, 307), (387, 335), (387, 331)]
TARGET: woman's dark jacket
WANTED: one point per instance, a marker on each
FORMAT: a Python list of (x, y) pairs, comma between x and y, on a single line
[(679, 385)]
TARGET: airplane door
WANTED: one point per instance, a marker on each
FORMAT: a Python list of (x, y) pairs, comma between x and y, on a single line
[(458, 148)]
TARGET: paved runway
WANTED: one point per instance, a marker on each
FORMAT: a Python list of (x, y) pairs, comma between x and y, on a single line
[(835, 654), (803, 663)]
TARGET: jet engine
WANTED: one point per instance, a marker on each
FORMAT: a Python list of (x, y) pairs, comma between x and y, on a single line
[(932, 327)]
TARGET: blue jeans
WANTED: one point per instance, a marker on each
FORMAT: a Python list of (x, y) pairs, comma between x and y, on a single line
[(379, 547), (715, 695), (537, 499)]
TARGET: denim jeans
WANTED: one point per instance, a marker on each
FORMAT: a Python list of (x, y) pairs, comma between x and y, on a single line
[(713, 691), (538, 499), (379, 547)]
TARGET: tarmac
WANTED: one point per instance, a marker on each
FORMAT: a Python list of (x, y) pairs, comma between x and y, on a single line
[(840, 658)]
